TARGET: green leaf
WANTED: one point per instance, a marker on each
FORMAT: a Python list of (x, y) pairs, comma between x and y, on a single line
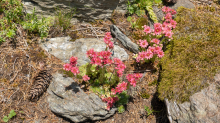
[(5, 119), (129, 18), (140, 12), (123, 98), (158, 1), (121, 109), (11, 114)]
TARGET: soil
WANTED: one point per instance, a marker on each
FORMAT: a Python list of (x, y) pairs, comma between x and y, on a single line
[(19, 64)]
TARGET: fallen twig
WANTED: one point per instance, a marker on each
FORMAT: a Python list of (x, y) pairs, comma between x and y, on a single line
[(88, 28), (11, 80)]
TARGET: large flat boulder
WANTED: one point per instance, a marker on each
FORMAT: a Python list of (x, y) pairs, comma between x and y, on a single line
[(63, 48), (86, 9)]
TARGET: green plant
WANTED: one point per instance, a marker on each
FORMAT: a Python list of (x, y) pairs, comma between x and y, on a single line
[(192, 57), (12, 15), (139, 6), (63, 18), (145, 95), (149, 111), (133, 23), (33, 25), (121, 109), (10, 115)]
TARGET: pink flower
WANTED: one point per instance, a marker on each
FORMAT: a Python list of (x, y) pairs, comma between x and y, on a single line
[(75, 70), (157, 25), (110, 45), (113, 91), (166, 9), (117, 61), (160, 54), (167, 29), (96, 61), (143, 43), (173, 23), (129, 76), (108, 41), (156, 41), (138, 75), (108, 35), (108, 61), (105, 54), (169, 34), (67, 67), (157, 31), (86, 78), (73, 61), (168, 16), (121, 87), (110, 101), (121, 66), (120, 72), (152, 49), (157, 49), (147, 29), (91, 53), (141, 55), (133, 82), (149, 54), (173, 12)]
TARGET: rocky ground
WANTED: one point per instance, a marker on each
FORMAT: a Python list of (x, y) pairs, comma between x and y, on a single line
[(19, 64)]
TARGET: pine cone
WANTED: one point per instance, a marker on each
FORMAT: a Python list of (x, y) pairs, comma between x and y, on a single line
[(171, 1), (40, 85)]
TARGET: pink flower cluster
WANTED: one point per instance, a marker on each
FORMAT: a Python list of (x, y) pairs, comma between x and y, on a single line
[(151, 51), (86, 78), (107, 40), (120, 88), (120, 66), (132, 78), (99, 58), (110, 101), (153, 47), (72, 66), (166, 27)]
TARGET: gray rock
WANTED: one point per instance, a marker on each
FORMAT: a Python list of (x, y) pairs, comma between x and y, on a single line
[(203, 107), (86, 9), (63, 49), (159, 12), (183, 3), (68, 100)]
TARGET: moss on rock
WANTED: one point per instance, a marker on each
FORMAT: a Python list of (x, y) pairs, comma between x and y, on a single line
[(193, 56)]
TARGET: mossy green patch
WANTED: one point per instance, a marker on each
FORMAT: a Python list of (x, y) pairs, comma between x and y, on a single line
[(192, 57)]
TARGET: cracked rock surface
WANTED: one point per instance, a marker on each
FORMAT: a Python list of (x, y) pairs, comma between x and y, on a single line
[(203, 106), (67, 99)]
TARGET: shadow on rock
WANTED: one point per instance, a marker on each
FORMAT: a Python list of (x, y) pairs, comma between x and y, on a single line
[(73, 87)]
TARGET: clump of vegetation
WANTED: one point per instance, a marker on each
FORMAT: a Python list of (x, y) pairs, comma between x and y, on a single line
[(192, 57), (10, 115), (34, 25), (13, 13), (139, 6), (145, 95), (63, 18), (149, 111)]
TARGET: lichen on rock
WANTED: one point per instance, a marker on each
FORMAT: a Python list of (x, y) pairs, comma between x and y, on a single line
[(192, 57)]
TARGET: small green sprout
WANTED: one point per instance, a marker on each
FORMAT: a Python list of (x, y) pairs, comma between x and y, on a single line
[(10, 115)]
